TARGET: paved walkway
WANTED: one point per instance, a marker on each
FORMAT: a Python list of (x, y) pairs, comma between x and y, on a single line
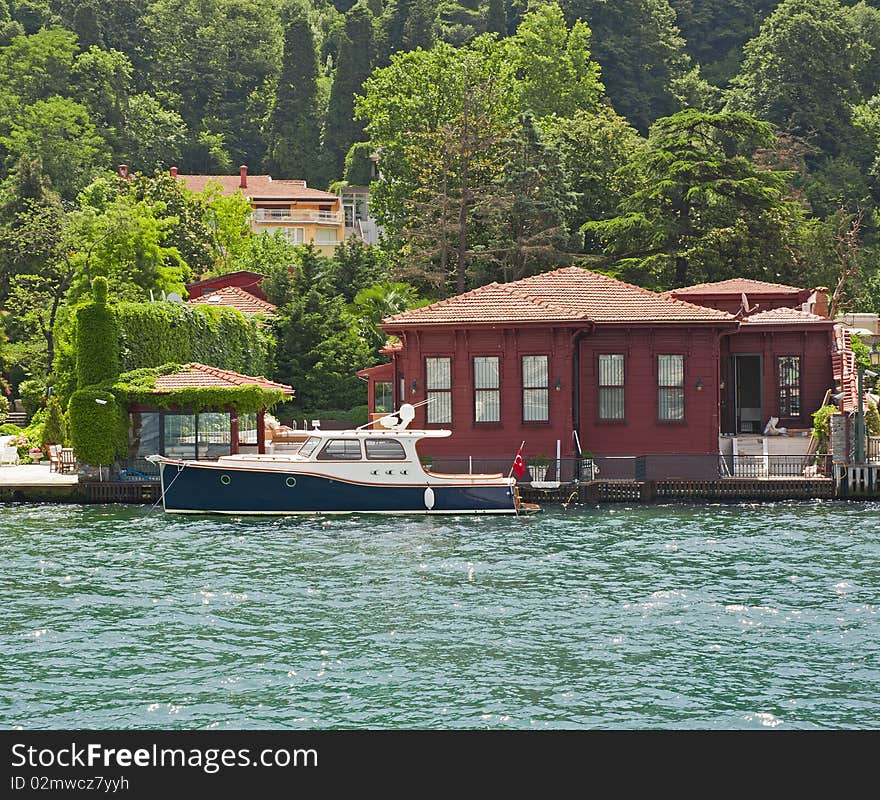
[(34, 475)]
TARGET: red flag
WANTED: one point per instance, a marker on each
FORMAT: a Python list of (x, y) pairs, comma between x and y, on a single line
[(519, 464)]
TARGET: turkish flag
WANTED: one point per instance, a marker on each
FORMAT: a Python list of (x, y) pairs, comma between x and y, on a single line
[(519, 465)]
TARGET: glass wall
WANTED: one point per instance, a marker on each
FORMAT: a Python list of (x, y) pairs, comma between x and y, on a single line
[(144, 434), (214, 435)]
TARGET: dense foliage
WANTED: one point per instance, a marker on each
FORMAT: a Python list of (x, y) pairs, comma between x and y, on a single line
[(665, 141)]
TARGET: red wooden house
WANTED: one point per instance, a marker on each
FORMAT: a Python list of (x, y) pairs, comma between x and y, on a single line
[(598, 365), (243, 279)]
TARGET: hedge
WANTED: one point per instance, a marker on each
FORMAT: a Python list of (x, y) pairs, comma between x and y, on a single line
[(97, 339), (98, 430), (153, 334)]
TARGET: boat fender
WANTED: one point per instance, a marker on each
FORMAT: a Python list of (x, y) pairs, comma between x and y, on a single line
[(429, 498)]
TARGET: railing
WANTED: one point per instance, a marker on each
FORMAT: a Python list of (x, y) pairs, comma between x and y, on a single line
[(134, 468), (299, 215), (872, 452), (649, 468)]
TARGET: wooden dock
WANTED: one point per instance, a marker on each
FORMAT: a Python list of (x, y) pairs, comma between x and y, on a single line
[(630, 491)]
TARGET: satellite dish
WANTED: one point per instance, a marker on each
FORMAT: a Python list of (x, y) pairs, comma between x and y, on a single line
[(174, 297)]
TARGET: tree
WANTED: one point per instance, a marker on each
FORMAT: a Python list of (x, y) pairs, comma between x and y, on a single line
[(496, 17), (800, 72), (152, 137), (556, 74), (36, 298), (374, 303), (702, 208), (438, 117), (320, 352), (594, 147), (341, 130), (60, 133), (354, 267), (641, 52), (528, 213), (294, 126)]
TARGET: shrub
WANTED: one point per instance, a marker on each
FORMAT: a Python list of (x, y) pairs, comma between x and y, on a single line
[(872, 420), (8, 428), (99, 430), (822, 426), (33, 395), (54, 430)]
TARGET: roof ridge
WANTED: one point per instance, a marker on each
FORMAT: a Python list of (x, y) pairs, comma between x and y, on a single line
[(439, 303), (642, 289)]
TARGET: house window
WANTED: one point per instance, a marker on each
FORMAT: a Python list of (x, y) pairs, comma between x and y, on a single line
[(536, 393), (325, 236), (487, 389), (788, 381), (277, 213), (670, 387), (438, 386), (611, 398), (383, 399), (293, 235)]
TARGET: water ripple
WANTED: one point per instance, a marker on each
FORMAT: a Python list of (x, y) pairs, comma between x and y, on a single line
[(713, 616)]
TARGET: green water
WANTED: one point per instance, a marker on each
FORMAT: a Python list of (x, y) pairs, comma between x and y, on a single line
[(746, 616)]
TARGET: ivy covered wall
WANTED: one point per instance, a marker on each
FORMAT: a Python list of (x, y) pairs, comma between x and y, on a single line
[(152, 334)]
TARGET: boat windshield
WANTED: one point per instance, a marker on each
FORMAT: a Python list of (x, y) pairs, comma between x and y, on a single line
[(308, 446)]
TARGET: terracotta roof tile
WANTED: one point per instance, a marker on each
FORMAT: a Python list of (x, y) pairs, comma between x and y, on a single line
[(784, 316), (234, 297), (196, 375), (563, 295), (736, 286), (258, 187)]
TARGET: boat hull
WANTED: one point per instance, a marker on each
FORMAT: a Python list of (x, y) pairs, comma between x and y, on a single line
[(195, 489)]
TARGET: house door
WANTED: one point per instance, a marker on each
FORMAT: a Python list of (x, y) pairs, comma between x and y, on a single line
[(747, 388)]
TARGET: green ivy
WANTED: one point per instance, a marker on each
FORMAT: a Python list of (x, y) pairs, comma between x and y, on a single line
[(99, 430), (822, 426), (138, 386), (152, 334), (97, 339)]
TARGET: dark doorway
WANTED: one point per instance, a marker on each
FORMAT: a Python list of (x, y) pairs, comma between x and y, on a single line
[(747, 393)]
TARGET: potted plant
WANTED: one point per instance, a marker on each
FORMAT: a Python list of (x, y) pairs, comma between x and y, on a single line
[(586, 468), (538, 467)]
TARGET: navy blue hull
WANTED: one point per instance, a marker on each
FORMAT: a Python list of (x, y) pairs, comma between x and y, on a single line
[(209, 490)]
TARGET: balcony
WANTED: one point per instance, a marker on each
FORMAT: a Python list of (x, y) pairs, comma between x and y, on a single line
[(298, 215)]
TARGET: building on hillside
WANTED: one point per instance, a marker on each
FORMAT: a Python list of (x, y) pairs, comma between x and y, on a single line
[(578, 358), (239, 299), (301, 214), (243, 279)]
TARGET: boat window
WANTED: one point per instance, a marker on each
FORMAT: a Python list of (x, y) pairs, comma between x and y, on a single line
[(384, 450), (342, 449), (309, 445)]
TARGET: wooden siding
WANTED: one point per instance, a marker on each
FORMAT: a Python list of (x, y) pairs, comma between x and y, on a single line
[(814, 348)]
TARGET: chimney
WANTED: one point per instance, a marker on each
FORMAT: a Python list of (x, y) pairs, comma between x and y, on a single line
[(242, 171), (820, 301), (173, 172), (123, 171)]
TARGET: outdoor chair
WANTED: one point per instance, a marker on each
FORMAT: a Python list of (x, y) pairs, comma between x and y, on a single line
[(68, 460), (8, 451), (55, 458)]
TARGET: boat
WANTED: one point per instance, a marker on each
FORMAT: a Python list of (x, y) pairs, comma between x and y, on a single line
[(363, 470)]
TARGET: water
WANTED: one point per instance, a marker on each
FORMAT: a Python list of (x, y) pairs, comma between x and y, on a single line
[(746, 616)]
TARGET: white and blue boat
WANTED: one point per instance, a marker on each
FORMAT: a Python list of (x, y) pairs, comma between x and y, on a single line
[(364, 470)]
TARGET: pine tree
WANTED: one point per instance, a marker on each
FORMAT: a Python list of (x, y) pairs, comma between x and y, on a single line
[(294, 126), (527, 214), (496, 17), (341, 130)]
